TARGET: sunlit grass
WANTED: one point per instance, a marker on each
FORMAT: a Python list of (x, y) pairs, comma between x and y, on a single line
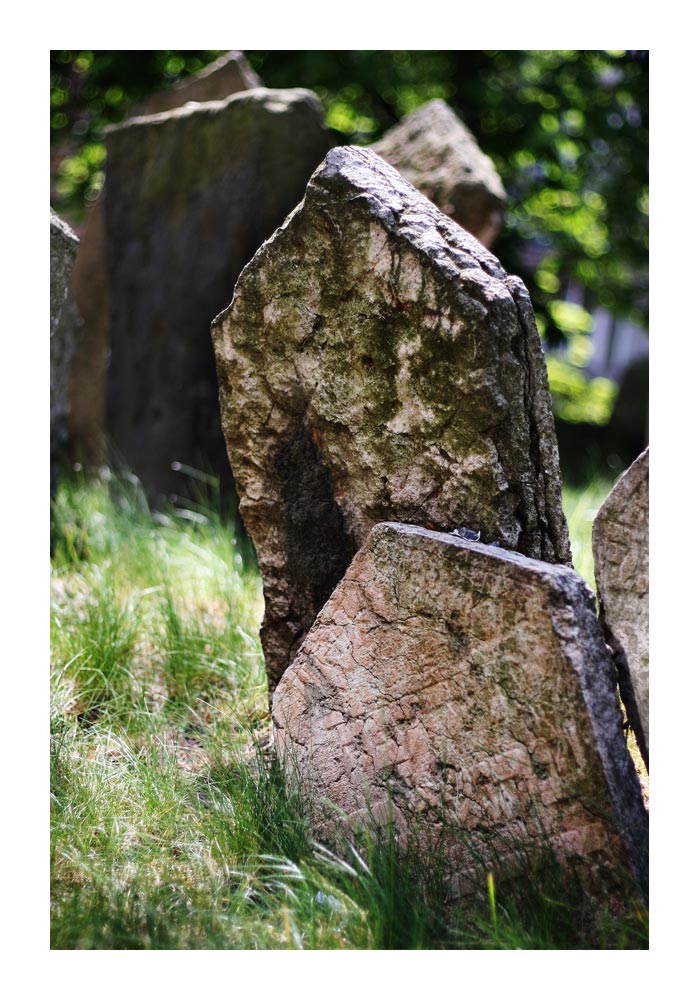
[(173, 825), (580, 505)]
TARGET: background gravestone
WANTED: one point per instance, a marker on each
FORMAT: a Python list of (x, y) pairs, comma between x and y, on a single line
[(436, 152), (227, 75), (190, 195), (471, 688), (377, 363), (620, 550), (88, 308), (88, 312), (64, 244)]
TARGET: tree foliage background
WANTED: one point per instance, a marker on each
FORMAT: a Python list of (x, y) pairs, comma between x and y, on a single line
[(567, 130)]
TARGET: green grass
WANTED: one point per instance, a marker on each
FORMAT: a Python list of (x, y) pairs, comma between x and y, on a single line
[(580, 505), (173, 825)]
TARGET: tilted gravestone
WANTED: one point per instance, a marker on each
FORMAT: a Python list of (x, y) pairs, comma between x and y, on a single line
[(89, 309), (436, 152), (64, 244), (377, 363), (229, 74), (620, 550), (468, 692), (190, 196)]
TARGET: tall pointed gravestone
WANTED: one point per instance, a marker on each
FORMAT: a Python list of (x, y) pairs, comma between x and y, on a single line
[(376, 363), (190, 196)]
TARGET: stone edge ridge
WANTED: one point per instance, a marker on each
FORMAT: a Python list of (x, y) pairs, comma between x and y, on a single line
[(509, 556), (64, 229), (236, 56), (451, 234), (541, 423), (288, 96), (454, 239)]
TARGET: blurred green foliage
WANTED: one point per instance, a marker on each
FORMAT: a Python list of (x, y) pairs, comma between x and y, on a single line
[(567, 130), (90, 90), (578, 399)]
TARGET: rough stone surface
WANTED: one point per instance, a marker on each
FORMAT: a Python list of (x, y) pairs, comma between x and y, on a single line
[(228, 75), (471, 687), (620, 550), (436, 152), (377, 363), (190, 196), (64, 244)]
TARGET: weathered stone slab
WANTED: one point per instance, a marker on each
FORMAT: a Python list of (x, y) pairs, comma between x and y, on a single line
[(620, 550), (377, 363), (64, 244), (190, 196), (227, 75), (89, 308), (439, 155), (470, 688)]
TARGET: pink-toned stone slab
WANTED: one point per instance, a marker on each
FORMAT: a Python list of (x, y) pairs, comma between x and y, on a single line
[(471, 688)]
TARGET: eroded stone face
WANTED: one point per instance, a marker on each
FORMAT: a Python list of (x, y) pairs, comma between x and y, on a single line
[(377, 363), (471, 687), (620, 550), (438, 154), (190, 196), (64, 245)]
